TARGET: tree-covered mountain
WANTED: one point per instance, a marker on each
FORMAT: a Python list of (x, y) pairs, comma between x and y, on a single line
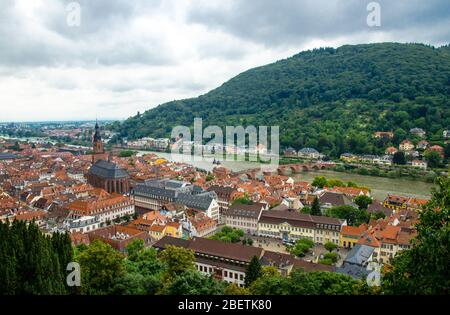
[(329, 99)]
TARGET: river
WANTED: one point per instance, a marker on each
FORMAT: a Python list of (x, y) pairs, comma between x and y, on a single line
[(380, 186)]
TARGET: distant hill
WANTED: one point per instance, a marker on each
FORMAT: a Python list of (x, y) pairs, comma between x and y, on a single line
[(328, 99)]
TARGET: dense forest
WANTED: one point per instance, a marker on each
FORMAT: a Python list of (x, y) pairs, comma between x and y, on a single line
[(329, 99), (31, 262)]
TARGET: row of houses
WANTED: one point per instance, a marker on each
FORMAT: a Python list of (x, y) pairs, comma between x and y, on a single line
[(366, 158), (149, 143), (305, 153)]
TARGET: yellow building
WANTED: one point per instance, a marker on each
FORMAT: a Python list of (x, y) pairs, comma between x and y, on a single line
[(157, 231), (395, 202), (173, 229), (350, 235), (349, 158)]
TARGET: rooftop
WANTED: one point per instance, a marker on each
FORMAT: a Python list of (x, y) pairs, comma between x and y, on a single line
[(107, 170)]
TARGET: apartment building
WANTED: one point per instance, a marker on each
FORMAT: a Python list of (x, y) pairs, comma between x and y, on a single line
[(103, 206), (290, 225), (244, 217)]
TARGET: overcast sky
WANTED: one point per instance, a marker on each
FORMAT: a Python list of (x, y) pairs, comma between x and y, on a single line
[(128, 56)]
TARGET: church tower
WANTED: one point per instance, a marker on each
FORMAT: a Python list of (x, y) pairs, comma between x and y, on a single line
[(97, 146), (104, 173)]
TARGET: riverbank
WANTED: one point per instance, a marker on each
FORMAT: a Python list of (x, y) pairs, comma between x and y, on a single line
[(375, 170)]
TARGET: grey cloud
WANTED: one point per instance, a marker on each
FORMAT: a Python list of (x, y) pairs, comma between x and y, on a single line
[(151, 83), (101, 38), (292, 22)]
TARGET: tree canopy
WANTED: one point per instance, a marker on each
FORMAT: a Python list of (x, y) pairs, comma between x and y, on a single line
[(32, 263)]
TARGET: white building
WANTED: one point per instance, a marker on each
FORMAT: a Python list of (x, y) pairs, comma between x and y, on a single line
[(83, 225), (104, 209), (244, 217), (420, 164)]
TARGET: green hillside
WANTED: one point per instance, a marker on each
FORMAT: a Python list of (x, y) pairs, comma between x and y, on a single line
[(329, 99)]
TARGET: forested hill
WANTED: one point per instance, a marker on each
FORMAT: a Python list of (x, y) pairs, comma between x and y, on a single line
[(329, 99)]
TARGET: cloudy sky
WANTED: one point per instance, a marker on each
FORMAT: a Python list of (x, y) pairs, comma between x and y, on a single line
[(127, 56)]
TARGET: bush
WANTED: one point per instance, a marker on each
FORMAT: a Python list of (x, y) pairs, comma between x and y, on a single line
[(126, 153), (228, 235), (326, 262), (301, 247), (334, 257), (363, 171), (329, 246)]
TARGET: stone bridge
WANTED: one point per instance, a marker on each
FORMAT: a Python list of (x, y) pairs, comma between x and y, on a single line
[(288, 169), (307, 167)]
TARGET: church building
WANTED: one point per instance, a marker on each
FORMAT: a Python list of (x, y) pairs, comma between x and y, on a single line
[(104, 173)]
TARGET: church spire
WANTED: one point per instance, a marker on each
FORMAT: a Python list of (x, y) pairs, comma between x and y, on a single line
[(97, 135), (97, 145)]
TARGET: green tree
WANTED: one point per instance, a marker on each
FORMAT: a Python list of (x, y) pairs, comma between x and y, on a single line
[(315, 207), (126, 153), (335, 183), (191, 282), (378, 215), (245, 200), (178, 260), (101, 266), (433, 159), (363, 202), (447, 151), (301, 247), (270, 284), (322, 283), (134, 283), (334, 257), (30, 262), (424, 268), (354, 216), (306, 210), (228, 235), (399, 158), (253, 272), (330, 246), (320, 182), (134, 248), (234, 289)]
